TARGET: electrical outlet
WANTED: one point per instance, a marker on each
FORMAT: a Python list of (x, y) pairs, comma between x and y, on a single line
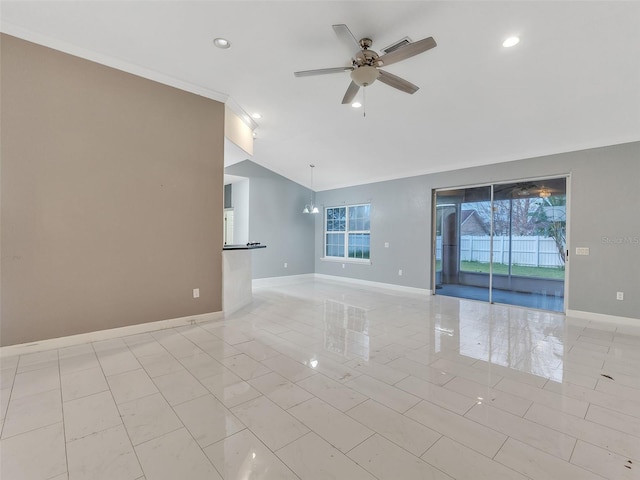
[(386, 244), (286, 264), (582, 250), (619, 295), (343, 265), (196, 293), (400, 272)]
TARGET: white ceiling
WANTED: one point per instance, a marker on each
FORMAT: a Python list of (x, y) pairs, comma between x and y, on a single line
[(573, 82)]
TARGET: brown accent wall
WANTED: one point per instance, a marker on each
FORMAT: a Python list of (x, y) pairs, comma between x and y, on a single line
[(111, 191)]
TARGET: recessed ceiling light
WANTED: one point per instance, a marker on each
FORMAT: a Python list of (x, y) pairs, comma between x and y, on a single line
[(221, 42), (257, 116), (511, 42), (356, 104)]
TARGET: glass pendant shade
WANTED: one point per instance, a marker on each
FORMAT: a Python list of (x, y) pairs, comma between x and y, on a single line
[(310, 207)]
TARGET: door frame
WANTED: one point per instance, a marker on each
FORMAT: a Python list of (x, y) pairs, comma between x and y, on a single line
[(567, 265)]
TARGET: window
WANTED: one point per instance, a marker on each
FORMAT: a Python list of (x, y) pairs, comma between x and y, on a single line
[(347, 232)]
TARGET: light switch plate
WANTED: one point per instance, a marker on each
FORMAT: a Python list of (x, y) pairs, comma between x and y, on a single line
[(582, 250)]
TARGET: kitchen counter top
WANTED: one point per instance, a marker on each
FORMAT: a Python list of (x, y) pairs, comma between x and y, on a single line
[(243, 247)]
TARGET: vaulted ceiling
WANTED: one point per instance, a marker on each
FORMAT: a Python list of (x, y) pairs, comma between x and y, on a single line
[(572, 82)]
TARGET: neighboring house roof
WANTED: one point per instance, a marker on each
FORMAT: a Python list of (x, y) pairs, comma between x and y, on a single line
[(465, 214), (471, 223)]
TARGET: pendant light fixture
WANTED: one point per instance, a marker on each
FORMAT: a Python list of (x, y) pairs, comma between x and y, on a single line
[(310, 207)]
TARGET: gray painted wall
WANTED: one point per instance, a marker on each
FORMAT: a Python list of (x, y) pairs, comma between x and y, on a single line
[(276, 220), (400, 215), (604, 198)]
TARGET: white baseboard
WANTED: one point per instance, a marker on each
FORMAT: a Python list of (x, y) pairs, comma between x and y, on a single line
[(368, 283), (601, 317), (61, 342), (281, 281), (293, 279)]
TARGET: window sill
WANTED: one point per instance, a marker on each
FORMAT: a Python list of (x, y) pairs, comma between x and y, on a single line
[(345, 260)]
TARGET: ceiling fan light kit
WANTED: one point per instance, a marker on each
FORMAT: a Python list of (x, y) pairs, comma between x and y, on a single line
[(365, 75), (544, 193), (365, 64)]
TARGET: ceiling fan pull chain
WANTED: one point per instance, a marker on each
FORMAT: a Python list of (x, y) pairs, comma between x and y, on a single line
[(364, 102)]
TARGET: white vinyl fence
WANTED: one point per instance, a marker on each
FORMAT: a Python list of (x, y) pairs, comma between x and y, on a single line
[(531, 251)]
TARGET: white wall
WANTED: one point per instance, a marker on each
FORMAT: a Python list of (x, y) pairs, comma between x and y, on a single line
[(240, 203)]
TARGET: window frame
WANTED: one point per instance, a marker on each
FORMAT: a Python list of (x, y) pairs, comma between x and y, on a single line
[(345, 258)]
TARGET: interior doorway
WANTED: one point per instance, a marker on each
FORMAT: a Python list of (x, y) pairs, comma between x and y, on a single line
[(228, 226), (502, 243)]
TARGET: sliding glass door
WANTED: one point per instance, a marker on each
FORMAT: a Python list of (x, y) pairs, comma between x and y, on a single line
[(459, 213), (502, 243)]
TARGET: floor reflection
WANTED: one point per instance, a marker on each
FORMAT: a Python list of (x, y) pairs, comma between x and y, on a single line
[(524, 340), (328, 377), (542, 299), (346, 330)]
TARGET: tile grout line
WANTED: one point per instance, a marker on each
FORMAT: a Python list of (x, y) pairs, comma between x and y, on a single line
[(501, 447), (124, 427), (200, 396), (173, 406), (64, 427), (6, 414)]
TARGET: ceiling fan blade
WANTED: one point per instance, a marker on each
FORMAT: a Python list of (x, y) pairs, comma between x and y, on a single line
[(351, 93), (322, 71), (346, 37), (397, 82), (407, 51)]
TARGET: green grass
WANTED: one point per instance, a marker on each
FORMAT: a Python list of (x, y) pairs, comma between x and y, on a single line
[(520, 270)]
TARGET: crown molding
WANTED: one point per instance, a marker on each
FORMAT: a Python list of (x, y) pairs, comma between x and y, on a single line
[(118, 64)]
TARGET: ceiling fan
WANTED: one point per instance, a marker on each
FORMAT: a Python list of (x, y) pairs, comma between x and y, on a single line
[(523, 190), (365, 64)]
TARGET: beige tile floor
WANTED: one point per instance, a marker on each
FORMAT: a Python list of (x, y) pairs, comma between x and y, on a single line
[(324, 380)]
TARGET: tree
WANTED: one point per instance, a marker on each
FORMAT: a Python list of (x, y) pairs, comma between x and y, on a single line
[(509, 216), (550, 220)]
